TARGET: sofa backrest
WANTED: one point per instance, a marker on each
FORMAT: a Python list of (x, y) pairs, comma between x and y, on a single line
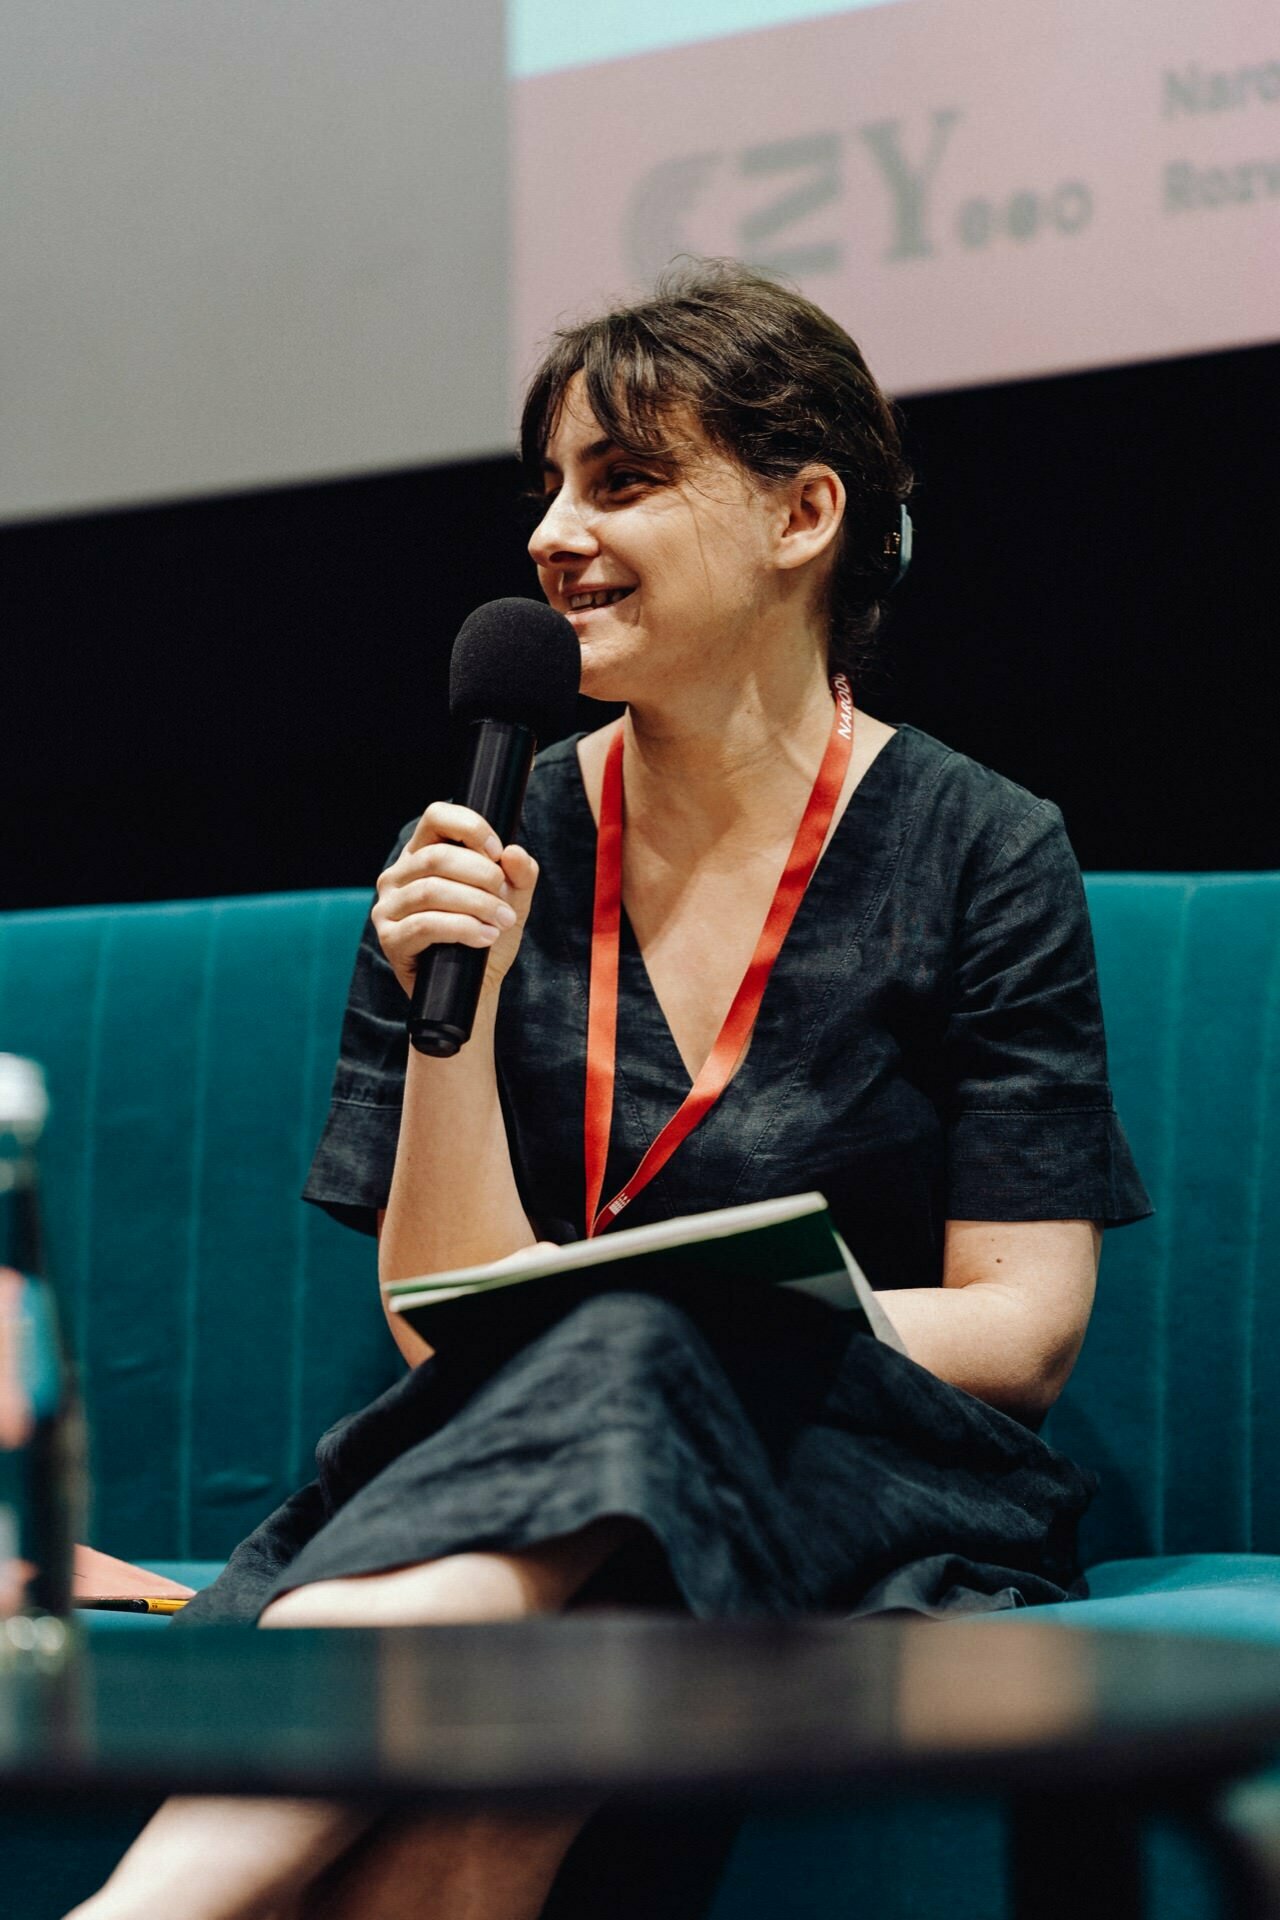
[(1176, 1397), (223, 1324)]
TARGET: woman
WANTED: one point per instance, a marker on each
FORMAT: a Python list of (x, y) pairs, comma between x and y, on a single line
[(718, 473)]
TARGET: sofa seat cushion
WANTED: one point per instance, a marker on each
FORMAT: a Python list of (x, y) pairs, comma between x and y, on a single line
[(190, 1573), (1232, 1596)]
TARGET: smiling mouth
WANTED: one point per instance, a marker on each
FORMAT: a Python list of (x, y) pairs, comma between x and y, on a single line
[(606, 597)]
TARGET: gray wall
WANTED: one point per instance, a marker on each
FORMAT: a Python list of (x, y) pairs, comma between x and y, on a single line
[(247, 241)]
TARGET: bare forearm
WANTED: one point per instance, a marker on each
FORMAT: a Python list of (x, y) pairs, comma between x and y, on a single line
[(984, 1339), (1010, 1316), (453, 1199)]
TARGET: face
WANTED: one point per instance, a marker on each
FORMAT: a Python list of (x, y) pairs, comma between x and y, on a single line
[(665, 577)]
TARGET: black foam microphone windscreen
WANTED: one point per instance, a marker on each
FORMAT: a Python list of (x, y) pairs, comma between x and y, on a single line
[(518, 661), (513, 680)]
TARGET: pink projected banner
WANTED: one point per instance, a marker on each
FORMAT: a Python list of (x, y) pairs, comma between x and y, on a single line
[(978, 189)]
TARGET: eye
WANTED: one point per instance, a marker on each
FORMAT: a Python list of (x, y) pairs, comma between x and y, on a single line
[(626, 479)]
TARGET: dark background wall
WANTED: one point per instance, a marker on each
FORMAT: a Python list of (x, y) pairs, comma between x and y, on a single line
[(249, 693)]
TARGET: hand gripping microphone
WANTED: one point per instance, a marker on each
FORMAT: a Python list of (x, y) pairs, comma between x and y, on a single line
[(513, 679)]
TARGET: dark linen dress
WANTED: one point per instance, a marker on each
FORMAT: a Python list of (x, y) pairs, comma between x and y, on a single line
[(929, 1047)]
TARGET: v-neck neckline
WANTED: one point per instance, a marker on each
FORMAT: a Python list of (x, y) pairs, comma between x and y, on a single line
[(631, 944)]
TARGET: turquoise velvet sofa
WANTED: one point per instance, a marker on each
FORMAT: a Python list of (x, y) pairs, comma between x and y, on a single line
[(222, 1325)]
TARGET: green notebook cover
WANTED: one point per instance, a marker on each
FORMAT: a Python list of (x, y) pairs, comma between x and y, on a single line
[(790, 1242)]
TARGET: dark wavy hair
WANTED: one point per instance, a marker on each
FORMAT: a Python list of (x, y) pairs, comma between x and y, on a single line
[(775, 385)]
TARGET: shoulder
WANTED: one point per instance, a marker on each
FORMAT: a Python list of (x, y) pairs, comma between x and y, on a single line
[(971, 845), (981, 817), (956, 784)]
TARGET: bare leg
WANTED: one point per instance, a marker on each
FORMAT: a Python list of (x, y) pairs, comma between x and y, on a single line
[(224, 1859), (465, 1587), (214, 1859), (480, 1867)]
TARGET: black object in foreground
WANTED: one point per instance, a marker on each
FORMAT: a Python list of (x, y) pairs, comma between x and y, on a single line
[(42, 1447), (513, 679)]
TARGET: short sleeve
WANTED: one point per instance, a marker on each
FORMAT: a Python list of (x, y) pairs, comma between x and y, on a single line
[(350, 1175), (1032, 1133)]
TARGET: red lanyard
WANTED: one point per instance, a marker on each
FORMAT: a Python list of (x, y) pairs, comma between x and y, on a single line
[(602, 1005)]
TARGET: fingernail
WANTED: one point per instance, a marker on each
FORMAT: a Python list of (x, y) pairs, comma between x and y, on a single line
[(489, 934), (504, 915), (493, 847)]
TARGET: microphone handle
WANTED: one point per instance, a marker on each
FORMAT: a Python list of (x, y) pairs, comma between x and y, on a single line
[(446, 989)]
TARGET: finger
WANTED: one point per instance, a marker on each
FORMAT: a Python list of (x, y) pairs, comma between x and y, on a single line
[(438, 895), (445, 820), (420, 931), (523, 1254), (520, 868), (444, 860)]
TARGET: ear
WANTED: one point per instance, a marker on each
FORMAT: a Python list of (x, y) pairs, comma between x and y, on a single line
[(810, 514)]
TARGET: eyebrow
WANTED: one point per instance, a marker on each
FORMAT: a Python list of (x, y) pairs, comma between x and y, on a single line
[(596, 451)]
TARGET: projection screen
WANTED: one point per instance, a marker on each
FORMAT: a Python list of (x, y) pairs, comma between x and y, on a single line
[(249, 244), (978, 189)]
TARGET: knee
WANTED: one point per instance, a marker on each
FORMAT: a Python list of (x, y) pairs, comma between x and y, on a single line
[(361, 1600), (462, 1588), (642, 1325), (325, 1603)]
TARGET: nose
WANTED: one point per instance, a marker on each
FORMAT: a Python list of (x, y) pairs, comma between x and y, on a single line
[(562, 536)]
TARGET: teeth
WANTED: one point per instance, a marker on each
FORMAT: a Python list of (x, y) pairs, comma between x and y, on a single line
[(579, 602)]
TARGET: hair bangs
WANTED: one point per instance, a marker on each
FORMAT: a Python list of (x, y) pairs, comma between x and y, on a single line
[(630, 385)]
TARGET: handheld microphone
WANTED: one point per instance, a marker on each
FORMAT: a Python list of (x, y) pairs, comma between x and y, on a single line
[(513, 679)]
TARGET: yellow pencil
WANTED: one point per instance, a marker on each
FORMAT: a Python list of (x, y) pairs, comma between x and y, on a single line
[(131, 1603)]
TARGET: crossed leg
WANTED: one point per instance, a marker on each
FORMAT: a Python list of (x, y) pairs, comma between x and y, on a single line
[(225, 1859)]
